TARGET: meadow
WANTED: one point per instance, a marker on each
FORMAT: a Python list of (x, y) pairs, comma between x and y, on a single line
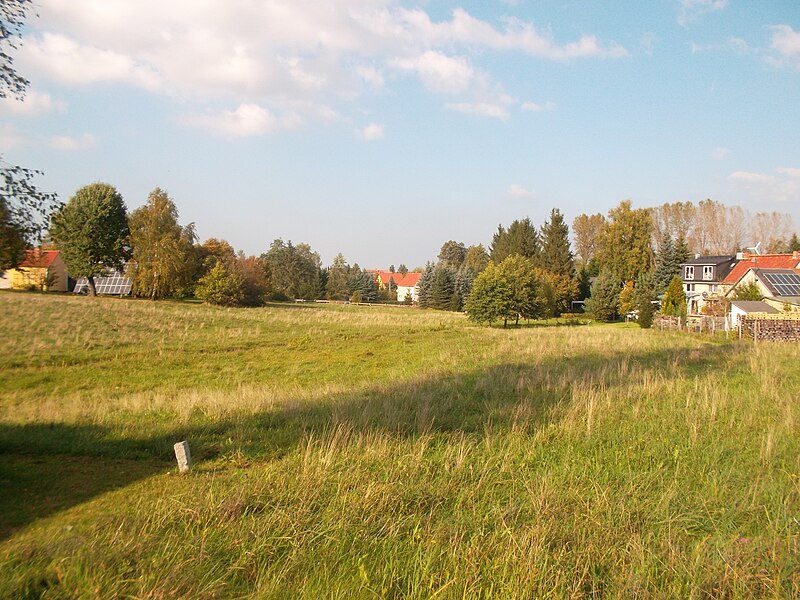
[(362, 452)]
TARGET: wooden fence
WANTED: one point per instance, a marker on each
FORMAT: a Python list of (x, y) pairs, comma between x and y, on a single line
[(762, 327), (694, 324)]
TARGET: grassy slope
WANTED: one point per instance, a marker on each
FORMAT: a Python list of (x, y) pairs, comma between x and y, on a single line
[(353, 452)]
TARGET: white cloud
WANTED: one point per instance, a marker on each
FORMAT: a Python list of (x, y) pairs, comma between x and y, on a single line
[(439, 72), (786, 43), (246, 121), (372, 76), (69, 144), (719, 153), (484, 109), (281, 55), (690, 10), (68, 61), (518, 192), (783, 186), (534, 107), (748, 177), (372, 132), (34, 104), (788, 171)]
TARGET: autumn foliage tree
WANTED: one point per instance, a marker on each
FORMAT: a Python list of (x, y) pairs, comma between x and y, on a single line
[(163, 251)]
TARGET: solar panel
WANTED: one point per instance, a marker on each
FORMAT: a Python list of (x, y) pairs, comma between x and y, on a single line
[(785, 284), (112, 285)]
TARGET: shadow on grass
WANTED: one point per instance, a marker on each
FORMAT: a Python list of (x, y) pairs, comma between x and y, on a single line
[(45, 468)]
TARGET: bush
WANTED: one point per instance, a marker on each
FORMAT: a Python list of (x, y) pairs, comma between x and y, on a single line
[(220, 286)]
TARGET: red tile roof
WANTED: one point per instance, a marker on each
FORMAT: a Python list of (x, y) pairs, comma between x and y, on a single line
[(39, 258), (410, 280), (762, 261)]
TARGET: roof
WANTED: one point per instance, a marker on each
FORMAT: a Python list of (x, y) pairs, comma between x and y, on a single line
[(751, 306), (39, 258), (710, 260), (762, 261), (410, 280)]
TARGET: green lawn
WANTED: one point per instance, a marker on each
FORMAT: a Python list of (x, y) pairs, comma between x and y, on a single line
[(361, 452)]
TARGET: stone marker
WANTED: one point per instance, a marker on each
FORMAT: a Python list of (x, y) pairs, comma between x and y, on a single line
[(183, 455)]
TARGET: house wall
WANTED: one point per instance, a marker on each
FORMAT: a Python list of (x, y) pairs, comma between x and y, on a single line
[(5, 282), (26, 278), (403, 290)]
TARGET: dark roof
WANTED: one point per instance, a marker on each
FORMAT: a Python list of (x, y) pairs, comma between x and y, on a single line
[(710, 260), (751, 306)]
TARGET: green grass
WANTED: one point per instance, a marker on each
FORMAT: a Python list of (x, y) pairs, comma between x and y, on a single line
[(357, 452)]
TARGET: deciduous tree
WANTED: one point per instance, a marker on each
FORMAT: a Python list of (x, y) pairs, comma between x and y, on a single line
[(91, 231), (586, 231), (162, 251), (625, 249)]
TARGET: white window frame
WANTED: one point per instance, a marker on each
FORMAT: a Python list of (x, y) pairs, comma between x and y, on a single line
[(688, 273), (708, 273)]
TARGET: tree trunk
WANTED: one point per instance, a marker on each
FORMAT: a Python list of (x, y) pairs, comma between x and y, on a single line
[(92, 288)]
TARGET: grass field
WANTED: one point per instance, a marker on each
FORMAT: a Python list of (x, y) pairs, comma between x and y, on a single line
[(356, 452)]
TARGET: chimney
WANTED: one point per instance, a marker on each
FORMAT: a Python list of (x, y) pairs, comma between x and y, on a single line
[(796, 254)]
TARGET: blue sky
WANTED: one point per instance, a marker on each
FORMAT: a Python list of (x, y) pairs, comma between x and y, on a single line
[(382, 128)]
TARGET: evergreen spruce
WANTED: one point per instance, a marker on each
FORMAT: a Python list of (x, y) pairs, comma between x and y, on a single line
[(603, 304), (667, 264), (556, 255), (520, 238)]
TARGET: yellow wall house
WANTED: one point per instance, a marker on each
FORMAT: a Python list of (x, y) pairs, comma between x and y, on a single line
[(40, 270)]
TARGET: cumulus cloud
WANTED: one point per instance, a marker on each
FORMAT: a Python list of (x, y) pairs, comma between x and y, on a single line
[(69, 144), (786, 45), (279, 55), (516, 191), (484, 109), (247, 120), (34, 104), (690, 10), (371, 132), (783, 185), (439, 72)]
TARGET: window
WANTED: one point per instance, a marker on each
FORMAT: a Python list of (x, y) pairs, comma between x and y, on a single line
[(688, 273), (689, 287), (708, 273)]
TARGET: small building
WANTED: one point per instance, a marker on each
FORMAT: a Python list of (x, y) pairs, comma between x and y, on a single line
[(42, 270), (742, 308), (702, 280), (407, 285)]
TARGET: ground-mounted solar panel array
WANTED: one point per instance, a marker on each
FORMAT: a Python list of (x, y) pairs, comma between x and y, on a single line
[(786, 283), (113, 285)]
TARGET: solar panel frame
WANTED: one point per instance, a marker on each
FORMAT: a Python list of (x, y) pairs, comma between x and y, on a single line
[(111, 285), (785, 284)]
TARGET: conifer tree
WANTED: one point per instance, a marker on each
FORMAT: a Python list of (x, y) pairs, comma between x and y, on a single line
[(674, 303), (667, 265), (338, 282), (556, 255), (520, 238), (604, 302)]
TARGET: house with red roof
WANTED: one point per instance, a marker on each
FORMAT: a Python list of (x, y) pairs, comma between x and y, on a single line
[(42, 270), (408, 287), (405, 285), (777, 277)]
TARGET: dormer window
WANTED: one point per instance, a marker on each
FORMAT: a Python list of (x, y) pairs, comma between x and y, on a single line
[(688, 272), (708, 273)]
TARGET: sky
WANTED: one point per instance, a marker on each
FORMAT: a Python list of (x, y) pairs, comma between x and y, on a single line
[(383, 128)]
